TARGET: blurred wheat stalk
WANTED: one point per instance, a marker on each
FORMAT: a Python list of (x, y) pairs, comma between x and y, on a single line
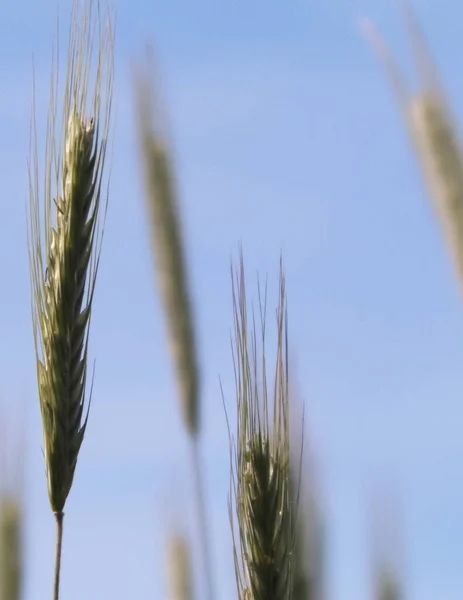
[(261, 491), (65, 235), (434, 135)]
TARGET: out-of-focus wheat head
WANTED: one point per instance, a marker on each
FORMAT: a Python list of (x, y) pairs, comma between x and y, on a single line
[(10, 547), (386, 532), (387, 587), (166, 237), (308, 567), (65, 235), (179, 581), (260, 477), (11, 512), (434, 134)]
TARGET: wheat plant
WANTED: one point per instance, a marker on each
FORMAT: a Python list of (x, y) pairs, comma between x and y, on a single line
[(11, 510), (171, 271), (65, 235), (178, 567), (11, 518), (433, 133), (261, 495)]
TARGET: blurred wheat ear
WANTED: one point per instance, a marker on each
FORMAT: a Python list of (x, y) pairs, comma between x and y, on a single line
[(308, 572), (65, 235), (434, 135), (10, 548), (387, 587), (166, 238), (180, 585), (260, 477), (11, 510), (171, 271)]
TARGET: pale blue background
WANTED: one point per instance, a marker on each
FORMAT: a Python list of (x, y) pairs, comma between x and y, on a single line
[(287, 137)]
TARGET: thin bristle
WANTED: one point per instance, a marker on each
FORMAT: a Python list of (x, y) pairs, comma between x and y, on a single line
[(180, 585), (65, 242), (263, 558), (434, 135), (168, 250)]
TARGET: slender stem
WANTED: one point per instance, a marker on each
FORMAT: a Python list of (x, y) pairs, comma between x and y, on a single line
[(202, 519), (59, 516)]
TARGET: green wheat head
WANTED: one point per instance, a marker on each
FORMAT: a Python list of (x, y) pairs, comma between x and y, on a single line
[(65, 241), (261, 487)]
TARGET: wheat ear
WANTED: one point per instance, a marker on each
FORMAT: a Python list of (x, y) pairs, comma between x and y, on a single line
[(434, 135), (171, 271), (179, 580), (65, 235), (11, 512), (260, 478), (166, 238), (10, 548), (387, 587), (309, 547)]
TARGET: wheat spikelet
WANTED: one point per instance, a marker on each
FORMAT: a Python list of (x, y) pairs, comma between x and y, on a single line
[(264, 512), (168, 251), (65, 241), (178, 569), (434, 135)]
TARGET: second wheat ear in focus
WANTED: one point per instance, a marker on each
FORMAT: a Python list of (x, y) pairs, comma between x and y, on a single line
[(65, 235), (434, 135), (264, 507)]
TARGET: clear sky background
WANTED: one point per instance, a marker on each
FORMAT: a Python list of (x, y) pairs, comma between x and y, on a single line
[(287, 138)]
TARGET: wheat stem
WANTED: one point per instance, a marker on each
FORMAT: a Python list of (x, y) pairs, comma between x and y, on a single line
[(59, 517)]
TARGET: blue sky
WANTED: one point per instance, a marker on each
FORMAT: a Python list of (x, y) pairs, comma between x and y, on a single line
[(287, 138)]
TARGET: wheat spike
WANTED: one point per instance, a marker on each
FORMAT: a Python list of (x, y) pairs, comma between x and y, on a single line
[(65, 241), (434, 135), (10, 548), (11, 510), (309, 550), (168, 250), (264, 511), (387, 587), (178, 569)]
